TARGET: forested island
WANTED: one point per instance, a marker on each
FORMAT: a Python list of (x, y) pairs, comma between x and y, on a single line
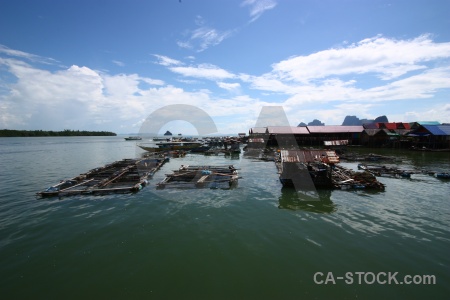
[(66, 132)]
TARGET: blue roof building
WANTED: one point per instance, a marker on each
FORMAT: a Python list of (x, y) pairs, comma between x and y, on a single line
[(431, 136)]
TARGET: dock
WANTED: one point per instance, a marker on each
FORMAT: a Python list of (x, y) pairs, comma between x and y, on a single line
[(124, 176), (213, 177), (307, 169), (310, 169)]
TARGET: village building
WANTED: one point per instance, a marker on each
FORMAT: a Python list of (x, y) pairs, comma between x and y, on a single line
[(426, 136), (385, 135), (305, 136), (432, 135), (320, 134)]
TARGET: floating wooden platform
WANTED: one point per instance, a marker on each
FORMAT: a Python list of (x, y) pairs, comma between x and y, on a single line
[(369, 157), (214, 177), (295, 166), (124, 176), (345, 179), (386, 171), (306, 169), (394, 172)]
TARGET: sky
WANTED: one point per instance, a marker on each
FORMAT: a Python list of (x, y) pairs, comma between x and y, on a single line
[(110, 64)]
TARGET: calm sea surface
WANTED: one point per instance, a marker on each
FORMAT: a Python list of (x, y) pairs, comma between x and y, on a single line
[(257, 241)]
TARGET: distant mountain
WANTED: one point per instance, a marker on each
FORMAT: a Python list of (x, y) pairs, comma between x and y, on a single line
[(351, 120), (354, 120), (381, 119), (348, 121), (315, 122)]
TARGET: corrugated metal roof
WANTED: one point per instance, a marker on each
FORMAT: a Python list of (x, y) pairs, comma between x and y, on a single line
[(393, 126), (335, 129), (405, 125), (386, 125), (438, 129), (287, 130), (306, 156)]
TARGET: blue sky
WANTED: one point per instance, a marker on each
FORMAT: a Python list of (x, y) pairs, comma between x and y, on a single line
[(107, 65)]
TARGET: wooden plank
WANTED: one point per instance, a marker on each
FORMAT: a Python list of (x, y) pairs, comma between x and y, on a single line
[(118, 176), (70, 187), (202, 179)]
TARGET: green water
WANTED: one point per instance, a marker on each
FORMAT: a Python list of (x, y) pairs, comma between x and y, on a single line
[(257, 241)]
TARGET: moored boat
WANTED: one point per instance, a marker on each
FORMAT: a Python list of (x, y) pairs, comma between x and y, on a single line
[(171, 146), (442, 175), (133, 138)]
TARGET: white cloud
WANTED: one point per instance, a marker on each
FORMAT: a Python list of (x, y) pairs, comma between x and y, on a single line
[(229, 86), (119, 63), (258, 7), (207, 71), (28, 56), (44, 99), (388, 58), (167, 61), (320, 76), (434, 113), (203, 37), (423, 85), (82, 98), (152, 81), (206, 36), (340, 83)]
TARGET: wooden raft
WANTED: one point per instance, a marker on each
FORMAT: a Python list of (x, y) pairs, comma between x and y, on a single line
[(214, 177), (124, 176)]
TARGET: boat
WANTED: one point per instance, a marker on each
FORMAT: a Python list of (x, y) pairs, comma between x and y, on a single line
[(442, 175), (160, 139), (133, 138), (171, 146), (201, 149)]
